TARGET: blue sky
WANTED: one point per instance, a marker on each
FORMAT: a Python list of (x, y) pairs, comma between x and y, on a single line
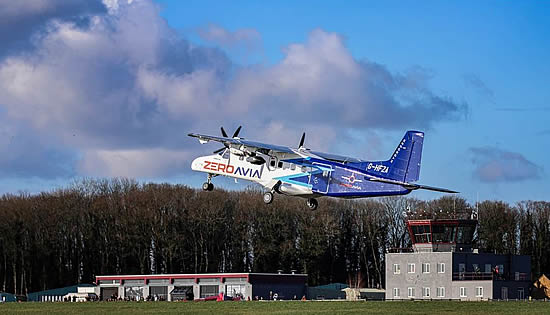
[(111, 88)]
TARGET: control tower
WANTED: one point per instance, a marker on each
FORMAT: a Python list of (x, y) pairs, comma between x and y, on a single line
[(443, 264), (446, 235)]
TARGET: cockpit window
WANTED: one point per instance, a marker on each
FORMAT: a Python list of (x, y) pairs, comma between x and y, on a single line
[(225, 154)]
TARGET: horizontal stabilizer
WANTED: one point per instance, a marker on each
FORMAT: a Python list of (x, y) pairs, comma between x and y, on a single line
[(410, 186), (435, 189)]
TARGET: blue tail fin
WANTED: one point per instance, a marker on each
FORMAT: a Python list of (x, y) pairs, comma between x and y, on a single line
[(404, 164)]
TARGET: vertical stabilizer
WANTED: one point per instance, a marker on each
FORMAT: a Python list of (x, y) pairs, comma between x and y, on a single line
[(404, 163)]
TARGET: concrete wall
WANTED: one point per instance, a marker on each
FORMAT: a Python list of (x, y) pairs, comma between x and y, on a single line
[(470, 290), (417, 279)]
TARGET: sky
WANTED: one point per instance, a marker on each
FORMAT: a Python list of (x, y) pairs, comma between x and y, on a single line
[(92, 88)]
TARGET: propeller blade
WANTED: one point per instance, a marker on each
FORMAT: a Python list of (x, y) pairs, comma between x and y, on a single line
[(236, 134), (302, 140), (223, 132), (219, 150)]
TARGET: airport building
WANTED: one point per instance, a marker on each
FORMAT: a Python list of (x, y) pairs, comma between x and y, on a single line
[(175, 287), (83, 292), (443, 265), (7, 297)]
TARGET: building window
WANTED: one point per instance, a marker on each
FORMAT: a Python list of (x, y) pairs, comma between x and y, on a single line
[(487, 268), (475, 268), (410, 292), (440, 292), (395, 292), (425, 267), (426, 292), (396, 269), (463, 292), (441, 268), (411, 268), (479, 291)]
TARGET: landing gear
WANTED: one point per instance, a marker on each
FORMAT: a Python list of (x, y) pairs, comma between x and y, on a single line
[(268, 197), (312, 203), (208, 186)]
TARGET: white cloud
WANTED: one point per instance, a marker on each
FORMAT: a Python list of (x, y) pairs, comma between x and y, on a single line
[(246, 37), (123, 90), (496, 165), (133, 163)]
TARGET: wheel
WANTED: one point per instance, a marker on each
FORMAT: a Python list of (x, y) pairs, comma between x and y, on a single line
[(210, 187), (206, 186), (268, 197), (312, 203)]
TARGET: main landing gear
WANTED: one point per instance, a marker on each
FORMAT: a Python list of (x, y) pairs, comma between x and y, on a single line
[(312, 203), (208, 186), (268, 197)]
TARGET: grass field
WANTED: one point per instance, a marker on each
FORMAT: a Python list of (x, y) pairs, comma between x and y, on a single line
[(310, 307)]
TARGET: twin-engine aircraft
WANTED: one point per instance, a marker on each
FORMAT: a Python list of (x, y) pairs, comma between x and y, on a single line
[(310, 174)]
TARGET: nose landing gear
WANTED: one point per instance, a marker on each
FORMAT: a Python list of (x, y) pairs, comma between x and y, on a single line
[(208, 186)]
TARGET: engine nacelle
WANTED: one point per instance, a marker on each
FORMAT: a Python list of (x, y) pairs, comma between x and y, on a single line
[(237, 152), (256, 160)]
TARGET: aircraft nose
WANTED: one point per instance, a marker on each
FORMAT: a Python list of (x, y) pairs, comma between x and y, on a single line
[(196, 164)]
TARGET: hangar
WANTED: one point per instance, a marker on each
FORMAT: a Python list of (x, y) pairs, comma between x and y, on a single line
[(175, 287)]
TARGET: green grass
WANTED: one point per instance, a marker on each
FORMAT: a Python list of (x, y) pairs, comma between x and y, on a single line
[(297, 307)]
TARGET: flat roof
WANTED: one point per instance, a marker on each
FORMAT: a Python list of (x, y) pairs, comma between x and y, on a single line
[(192, 276)]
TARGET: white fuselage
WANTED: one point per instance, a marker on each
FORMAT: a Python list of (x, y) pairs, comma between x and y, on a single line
[(267, 174)]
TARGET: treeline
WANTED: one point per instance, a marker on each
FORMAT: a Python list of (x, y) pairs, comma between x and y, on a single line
[(119, 226)]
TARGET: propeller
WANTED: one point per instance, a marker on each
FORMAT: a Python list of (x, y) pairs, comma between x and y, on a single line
[(302, 141), (236, 133), (219, 150), (224, 134)]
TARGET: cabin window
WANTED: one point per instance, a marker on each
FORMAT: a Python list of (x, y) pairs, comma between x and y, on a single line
[(272, 163), (241, 158), (292, 166), (280, 165)]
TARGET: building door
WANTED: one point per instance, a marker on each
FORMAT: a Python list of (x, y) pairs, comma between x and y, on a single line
[(521, 294), (504, 293), (158, 293), (461, 271), (235, 290), (181, 293), (108, 293)]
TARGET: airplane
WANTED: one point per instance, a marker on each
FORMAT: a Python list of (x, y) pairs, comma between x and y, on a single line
[(310, 174)]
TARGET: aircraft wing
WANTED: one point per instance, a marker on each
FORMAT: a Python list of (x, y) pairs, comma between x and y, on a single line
[(236, 142), (335, 157), (410, 186)]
